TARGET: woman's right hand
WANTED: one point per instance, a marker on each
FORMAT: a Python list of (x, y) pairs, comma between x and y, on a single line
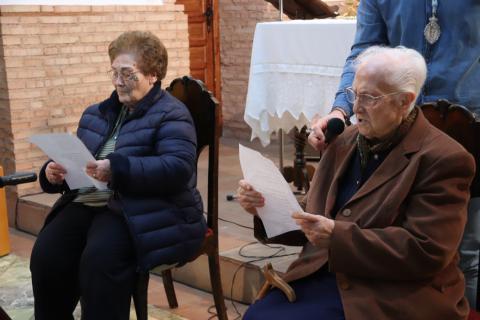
[(249, 198), (55, 173)]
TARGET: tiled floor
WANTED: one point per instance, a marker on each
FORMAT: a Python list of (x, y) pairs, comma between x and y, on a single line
[(193, 304)]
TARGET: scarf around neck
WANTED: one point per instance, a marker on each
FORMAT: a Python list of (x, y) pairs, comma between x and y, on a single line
[(368, 147)]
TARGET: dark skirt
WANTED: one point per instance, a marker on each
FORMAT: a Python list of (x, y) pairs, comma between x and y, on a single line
[(317, 298)]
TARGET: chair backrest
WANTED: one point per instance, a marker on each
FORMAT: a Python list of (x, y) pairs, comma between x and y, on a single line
[(460, 124), (464, 126), (206, 114)]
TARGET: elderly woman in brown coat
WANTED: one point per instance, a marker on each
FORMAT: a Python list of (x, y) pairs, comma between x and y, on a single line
[(385, 213)]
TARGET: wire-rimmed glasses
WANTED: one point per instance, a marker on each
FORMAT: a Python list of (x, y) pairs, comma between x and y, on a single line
[(364, 99), (124, 74)]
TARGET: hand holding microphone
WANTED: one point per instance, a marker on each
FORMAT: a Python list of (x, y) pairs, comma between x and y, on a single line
[(325, 129), (335, 127)]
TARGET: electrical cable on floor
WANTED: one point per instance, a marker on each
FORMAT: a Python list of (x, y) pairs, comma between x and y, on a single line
[(255, 259), (235, 223), (211, 311)]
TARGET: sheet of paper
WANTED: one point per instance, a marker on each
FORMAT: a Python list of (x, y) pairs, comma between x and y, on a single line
[(280, 202), (67, 150)]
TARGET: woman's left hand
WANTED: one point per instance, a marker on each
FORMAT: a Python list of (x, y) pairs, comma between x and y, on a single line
[(317, 229), (99, 170)]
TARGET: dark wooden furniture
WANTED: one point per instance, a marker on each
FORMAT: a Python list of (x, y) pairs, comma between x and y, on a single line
[(300, 173), (306, 9), (206, 114), (463, 126), (460, 124)]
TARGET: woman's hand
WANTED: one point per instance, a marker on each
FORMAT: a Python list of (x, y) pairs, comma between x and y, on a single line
[(249, 198), (317, 229), (55, 173), (99, 170)]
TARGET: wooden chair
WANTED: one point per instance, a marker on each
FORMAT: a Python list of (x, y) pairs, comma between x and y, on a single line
[(463, 126), (460, 124), (206, 114)]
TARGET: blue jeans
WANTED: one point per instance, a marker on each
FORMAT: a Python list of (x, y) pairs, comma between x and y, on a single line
[(469, 251)]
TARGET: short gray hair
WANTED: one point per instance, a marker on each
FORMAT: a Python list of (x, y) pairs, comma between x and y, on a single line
[(407, 76)]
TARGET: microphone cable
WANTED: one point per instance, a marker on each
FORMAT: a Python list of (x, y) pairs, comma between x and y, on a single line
[(255, 258)]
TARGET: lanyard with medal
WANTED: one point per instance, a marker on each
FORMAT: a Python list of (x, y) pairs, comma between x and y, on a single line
[(432, 29)]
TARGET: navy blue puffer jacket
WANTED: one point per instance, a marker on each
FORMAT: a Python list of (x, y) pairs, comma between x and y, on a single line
[(153, 175)]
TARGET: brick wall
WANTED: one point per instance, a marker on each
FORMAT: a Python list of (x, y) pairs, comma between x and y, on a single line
[(238, 19), (54, 61)]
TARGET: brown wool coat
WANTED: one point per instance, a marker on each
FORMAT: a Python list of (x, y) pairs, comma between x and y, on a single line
[(394, 245)]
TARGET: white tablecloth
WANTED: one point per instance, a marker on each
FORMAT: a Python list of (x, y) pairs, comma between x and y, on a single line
[(294, 73)]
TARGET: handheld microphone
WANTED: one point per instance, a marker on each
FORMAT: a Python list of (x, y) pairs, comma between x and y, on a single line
[(17, 178), (335, 126)]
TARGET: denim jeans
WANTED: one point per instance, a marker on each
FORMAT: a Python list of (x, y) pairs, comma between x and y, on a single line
[(469, 251)]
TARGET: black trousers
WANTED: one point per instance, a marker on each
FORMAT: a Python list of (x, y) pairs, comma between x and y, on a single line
[(84, 253)]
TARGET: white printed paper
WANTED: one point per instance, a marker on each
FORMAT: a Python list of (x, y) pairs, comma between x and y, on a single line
[(280, 202), (68, 151)]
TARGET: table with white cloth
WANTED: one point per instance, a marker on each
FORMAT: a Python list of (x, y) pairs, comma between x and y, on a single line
[(294, 73)]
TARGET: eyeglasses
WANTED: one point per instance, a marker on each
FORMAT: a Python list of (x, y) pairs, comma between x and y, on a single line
[(365, 100), (125, 75)]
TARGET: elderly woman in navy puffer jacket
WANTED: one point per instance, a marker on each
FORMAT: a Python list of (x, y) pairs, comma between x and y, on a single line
[(94, 242)]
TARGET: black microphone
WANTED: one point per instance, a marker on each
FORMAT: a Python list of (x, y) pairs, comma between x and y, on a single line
[(335, 126), (17, 178)]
